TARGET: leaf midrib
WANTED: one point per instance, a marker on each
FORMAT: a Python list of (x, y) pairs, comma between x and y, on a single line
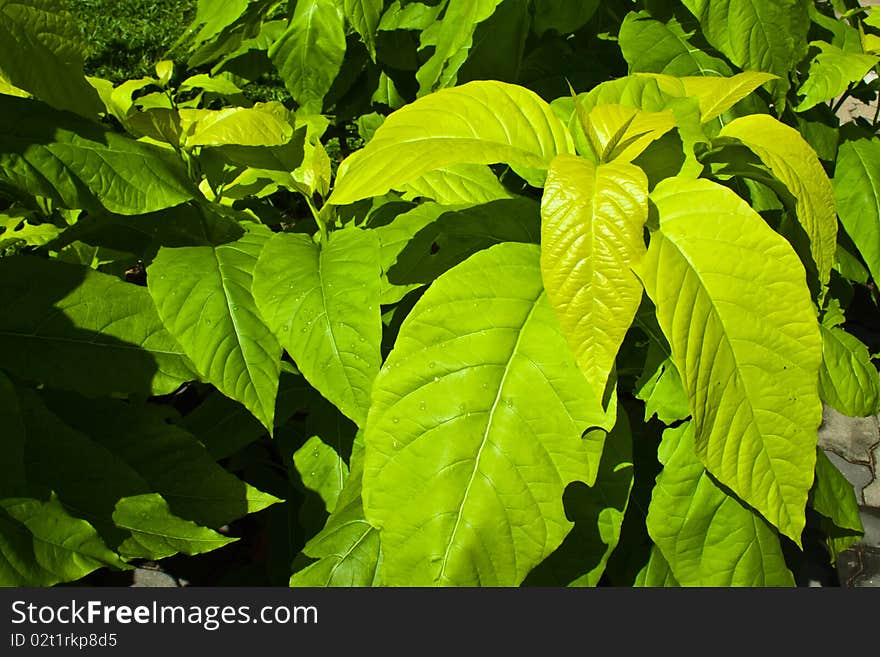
[(485, 438)]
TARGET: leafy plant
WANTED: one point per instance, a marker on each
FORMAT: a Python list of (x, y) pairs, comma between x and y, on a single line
[(463, 315)]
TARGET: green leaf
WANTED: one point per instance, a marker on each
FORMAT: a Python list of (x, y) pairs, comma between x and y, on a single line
[(309, 54), (708, 537), (749, 360), (347, 550), (322, 302), (76, 164), (848, 380), (563, 16), (795, 164), (203, 295), (857, 192), (834, 498), (265, 124), (156, 533), (656, 573), (597, 512), (619, 133), (457, 184), (479, 404), (169, 459), (43, 54), (213, 16), (322, 470), (481, 122), (592, 224), (73, 328), (716, 94), (363, 16), (831, 72), (661, 389), (42, 545), (451, 37), (670, 50), (757, 36)]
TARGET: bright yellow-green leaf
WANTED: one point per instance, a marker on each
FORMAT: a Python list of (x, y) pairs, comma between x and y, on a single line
[(164, 71), (716, 94), (834, 498), (848, 381), (592, 223), (481, 122), (323, 305), (475, 429), (857, 193), (831, 72), (731, 298), (451, 38), (706, 535), (457, 184), (203, 295), (762, 35), (262, 125), (621, 133), (791, 159)]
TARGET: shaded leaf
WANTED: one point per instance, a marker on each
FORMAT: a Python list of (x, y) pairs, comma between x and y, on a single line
[(203, 295)]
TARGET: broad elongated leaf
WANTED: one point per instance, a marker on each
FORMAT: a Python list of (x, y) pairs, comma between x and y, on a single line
[(716, 94), (831, 72), (757, 36), (42, 545), (791, 159), (480, 122), (670, 50), (597, 512), (834, 498), (213, 16), (708, 537), (43, 54), (74, 328), (323, 304), (475, 429), (203, 295), (592, 224), (749, 360), (347, 549), (92, 473), (76, 164), (451, 37), (857, 192), (156, 533), (848, 381), (309, 54), (169, 459), (363, 16), (262, 125), (458, 184)]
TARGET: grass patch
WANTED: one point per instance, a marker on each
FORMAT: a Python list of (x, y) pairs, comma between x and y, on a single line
[(125, 38)]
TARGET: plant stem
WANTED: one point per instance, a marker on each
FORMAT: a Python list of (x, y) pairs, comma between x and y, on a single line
[(322, 226)]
